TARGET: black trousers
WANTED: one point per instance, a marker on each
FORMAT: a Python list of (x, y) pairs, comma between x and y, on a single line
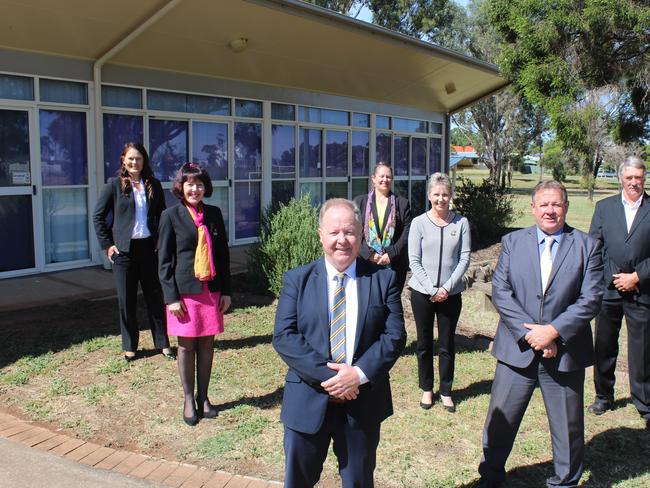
[(139, 265), (608, 326), (446, 314)]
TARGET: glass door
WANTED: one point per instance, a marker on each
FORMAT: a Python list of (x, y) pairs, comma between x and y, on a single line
[(17, 250)]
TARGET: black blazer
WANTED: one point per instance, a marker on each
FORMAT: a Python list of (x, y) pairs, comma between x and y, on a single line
[(398, 250), (622, 251), (177, 247), (122, 205)]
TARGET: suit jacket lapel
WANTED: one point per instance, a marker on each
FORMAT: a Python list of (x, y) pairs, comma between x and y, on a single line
[(319, 286), (533, 250), (364, 281), (562, 252), (641, 214)]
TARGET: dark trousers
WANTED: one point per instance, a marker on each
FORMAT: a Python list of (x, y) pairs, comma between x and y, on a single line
[(563, 399), (355, 447), (139, 265), (608, 326), (446, 314)]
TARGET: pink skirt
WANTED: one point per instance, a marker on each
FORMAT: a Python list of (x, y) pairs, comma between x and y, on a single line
[(203, 317)]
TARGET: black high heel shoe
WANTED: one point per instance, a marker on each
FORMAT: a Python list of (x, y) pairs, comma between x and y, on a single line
[(193, 420), (210, 414)]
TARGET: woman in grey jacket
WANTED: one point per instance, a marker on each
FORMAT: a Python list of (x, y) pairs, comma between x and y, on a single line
[(439, 248)]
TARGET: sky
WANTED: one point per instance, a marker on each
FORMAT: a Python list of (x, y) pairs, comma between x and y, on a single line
[(366, 16)]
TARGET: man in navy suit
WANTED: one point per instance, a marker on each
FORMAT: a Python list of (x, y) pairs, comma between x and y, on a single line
[(547, 286), (339, 327), (622, 224)]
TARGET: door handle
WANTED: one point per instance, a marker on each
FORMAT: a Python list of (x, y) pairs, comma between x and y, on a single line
[(34, 190)]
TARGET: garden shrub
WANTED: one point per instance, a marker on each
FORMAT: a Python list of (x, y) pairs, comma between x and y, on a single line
[(488, 207), (288, 238)]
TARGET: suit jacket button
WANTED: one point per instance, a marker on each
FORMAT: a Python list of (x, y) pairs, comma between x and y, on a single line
[(539, 297)]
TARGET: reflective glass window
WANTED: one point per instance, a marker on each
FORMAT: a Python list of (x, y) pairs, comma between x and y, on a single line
[(336, 189), (248, 151), (435, 155), (435, 128), (283, 151), (64, 156), (419, 156), (418, 197), (383, 148), (281, 111), (17, 243), (199, 104), (15, 167), (247, 209), (314, 190), (167, 147), (63, 91), (360, 120), (336, 153), (210, 148), (401, 165), (282, 191), (409, 125), (382, 122), (219, 198), (171, 102), (180, 102), (248, 108), (16, 87), (120, 96), (118, 130), (360, 153), (359, 187), (323, 116), (65, 219), (401, 188), (310, 152)]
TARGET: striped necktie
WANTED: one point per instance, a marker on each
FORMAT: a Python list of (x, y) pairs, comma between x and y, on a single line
[(337, 321)]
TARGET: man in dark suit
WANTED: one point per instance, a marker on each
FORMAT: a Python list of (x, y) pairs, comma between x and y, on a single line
[(622, 224), (547, 286), (339, 327)]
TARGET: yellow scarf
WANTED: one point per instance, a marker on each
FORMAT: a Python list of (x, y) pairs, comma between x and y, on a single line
[(203, 263)]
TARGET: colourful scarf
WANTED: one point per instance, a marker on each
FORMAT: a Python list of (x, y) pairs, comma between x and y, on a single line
[(203, 262), (371, 229)]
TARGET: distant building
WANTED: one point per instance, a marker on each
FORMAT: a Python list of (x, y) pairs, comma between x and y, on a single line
[(530, 164), (463, 157)]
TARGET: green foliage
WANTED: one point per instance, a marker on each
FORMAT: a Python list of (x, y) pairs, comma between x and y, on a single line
[(288, 238), (30, 366), (488, 207)]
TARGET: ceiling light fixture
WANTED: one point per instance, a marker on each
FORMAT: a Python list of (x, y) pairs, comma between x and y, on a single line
[(238, 45)]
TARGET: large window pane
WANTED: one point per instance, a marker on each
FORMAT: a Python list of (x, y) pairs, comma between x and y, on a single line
[(248, 151), (63, 91), (16, 87), (247, 209), (323, 116), (382, 122), (418, 197), (310, 152), (283, 151), (17, 243), (14, 149), (360, 120), (409, 125), (359, 187), (281, 111), (383, 153), (435, 155), (210, 148), (419, 157), (65, 217), (336, 153), (314, 190), (282, 192), (220, 199), (338, 189), (118, 130), (120, 96), (248, 108), (360, 153), (401, 188), (401, 166), (63, 148), (167, 147)]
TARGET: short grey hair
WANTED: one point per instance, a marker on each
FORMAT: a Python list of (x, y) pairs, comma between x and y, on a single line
[(630, 162), (550, 185), (339, 202), (439, 179)]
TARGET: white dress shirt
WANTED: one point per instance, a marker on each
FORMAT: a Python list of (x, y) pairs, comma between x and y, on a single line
[(140, 229), (351, 309), (630, 210)]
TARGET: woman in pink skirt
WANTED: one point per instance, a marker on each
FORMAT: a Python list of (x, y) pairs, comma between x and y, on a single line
[(194, 272)]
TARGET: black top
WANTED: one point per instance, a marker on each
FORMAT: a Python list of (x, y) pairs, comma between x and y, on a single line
[(177, 247), (122, 206), (398, 250)]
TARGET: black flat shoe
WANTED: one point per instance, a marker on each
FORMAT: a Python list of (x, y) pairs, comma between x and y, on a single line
[(169, 355), (210, 414), (193, 420), (426, 406), (598, 408), (450, 408), (129, 359)]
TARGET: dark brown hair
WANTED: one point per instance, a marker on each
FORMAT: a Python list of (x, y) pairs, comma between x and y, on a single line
[(146, 174), (191, 171)]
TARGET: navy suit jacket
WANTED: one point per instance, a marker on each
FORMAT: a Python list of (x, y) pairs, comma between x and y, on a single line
[(623, 251), (572, 298), (301, 338)]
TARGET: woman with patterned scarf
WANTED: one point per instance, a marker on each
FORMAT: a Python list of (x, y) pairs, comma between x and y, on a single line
[(386, 219), (194, 267)]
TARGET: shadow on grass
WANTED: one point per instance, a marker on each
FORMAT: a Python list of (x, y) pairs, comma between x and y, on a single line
[(612, 457), (269, 400), (243, 343), (463, 344)]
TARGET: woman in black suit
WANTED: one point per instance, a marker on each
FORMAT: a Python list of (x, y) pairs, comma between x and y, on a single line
[(194, 267), (386, 219), (135, 199)]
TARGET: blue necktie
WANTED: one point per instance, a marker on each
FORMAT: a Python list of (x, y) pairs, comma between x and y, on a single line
[(337, 323)]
